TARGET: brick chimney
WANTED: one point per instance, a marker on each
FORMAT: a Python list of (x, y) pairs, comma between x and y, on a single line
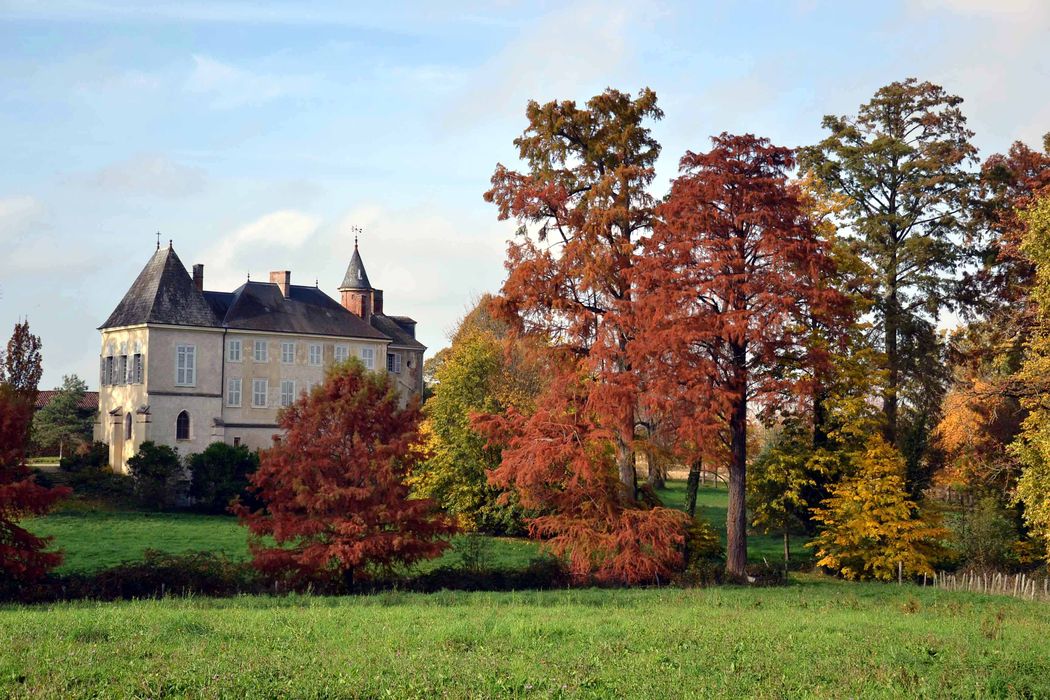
[(283, 279), (377, 301), (198, 277)]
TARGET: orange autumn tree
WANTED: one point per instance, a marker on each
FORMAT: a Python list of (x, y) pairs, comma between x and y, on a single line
[(560, 461), (726, 288), (581, 206), (333, 488)]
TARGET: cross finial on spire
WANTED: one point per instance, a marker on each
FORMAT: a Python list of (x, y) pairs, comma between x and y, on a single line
[(171, 245), (158, 240)]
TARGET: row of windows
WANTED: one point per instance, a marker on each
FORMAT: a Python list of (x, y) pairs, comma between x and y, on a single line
[(235, 352), (125, 369), (114, 371), (260, 392)]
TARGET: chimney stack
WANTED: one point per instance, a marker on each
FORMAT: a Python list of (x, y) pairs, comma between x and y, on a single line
[(377, 301), (283, 279), (198, 277)]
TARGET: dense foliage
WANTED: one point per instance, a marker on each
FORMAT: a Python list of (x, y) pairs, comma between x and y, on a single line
[(23, 556), (871, 529), (220, 474), (160, 478), (335, 501), (62, 425)]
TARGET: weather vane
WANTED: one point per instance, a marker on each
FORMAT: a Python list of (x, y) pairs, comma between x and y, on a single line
[(158, 240), (356, 230)]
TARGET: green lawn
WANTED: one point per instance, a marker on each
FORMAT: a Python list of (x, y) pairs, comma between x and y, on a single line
[(712, 503), (817, 638), (94, 539)]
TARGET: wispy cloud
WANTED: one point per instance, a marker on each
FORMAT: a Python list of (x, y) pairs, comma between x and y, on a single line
[(562, 52), (226, 86), (255, 243), (148, 174)]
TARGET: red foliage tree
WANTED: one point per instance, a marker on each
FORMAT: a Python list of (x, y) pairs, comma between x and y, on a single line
[(726, 289), (561, 462), (582, 205), (333, 487), (22, 555)]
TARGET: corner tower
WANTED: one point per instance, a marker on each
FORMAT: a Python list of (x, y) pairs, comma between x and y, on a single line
[(356, 293)]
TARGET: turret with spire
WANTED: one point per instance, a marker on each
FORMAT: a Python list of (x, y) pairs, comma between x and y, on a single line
[(356, 291)]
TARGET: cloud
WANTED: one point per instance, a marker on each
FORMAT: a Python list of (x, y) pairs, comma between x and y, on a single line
[(148, 174), (562, 52), (251, 247), (31, 246), (226, 86), (16, 216)]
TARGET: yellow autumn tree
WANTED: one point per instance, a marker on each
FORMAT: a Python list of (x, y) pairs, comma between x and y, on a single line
[(1032, 445), (869, 526)]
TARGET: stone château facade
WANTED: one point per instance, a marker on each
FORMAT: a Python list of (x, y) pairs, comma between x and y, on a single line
[(186, 367)]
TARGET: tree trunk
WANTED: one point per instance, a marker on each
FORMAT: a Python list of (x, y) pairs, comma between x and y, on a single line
[(692, 486), (820, 415), (787, 548), (889, 400), (736, 516), (625, 467), (656, 473)]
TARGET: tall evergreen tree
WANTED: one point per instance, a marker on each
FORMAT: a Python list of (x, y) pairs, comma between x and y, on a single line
[(902, 163)]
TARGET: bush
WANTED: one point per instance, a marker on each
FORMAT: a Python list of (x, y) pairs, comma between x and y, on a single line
[(88, 456), (985, 536), (103, 484), (220, 474), (159, 476)]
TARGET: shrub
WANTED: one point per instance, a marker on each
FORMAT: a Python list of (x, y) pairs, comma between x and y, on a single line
[(159, 476), (985, 536), (220, 474), (88, 456), (103, 484)]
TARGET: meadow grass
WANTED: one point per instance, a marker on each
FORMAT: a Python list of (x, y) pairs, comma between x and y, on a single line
[(95, 538), (816, 638)]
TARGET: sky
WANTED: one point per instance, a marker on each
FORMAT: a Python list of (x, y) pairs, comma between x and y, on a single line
[(255, 136)]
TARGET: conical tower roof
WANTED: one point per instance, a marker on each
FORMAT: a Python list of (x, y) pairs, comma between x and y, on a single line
[(355, 277), (162, 293)]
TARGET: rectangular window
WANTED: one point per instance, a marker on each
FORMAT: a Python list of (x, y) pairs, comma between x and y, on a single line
[(233, 392), (342, 352), (185, 365), (287, 392), (122, 370), (288, 353), (233, 350), (260, 388), (368, 356), (260, 353), (136, 368), (393, 362), (315, 354), (236, 442)]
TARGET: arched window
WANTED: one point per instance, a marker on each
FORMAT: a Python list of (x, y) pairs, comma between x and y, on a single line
[(182, 426), (127, 426)]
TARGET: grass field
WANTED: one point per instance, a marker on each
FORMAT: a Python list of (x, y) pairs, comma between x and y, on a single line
[(817, 638), (95, 538)]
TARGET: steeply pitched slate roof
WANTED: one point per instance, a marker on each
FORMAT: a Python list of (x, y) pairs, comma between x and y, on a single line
[(260, 306), (162, 293), (394, 326), (356, 277)]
